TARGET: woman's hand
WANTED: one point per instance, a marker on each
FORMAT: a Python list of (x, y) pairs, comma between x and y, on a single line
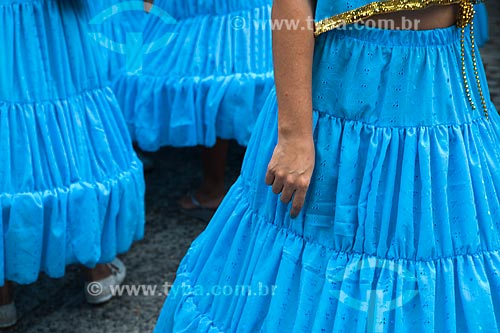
[(148, 4), (291, 169), (292, 164)]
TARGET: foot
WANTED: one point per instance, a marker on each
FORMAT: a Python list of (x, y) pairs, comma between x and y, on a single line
[(101, 279), (212, 189), (207, 199)]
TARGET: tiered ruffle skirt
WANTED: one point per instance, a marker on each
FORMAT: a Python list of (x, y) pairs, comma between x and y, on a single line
[(401, 227), (199, 70), (71, 187)]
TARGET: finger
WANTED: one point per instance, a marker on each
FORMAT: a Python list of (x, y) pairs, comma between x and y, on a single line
[(287, 193), (147, 7), (277, 186), (269, 177), (298, 202)]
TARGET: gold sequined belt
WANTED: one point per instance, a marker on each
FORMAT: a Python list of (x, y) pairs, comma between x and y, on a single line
[(465, 19)]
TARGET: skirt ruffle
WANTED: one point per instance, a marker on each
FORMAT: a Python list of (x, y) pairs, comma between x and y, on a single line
[(70, 184), (206, 76), (191, 111), (273, 280), (46, 51)]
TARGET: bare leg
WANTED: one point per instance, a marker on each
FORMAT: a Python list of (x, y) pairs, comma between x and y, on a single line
[(8, 313), (97, 273), (147, 163), (101, 279), (6, 293), (212, 189)]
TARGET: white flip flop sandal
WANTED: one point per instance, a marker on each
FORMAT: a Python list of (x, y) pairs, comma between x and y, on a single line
[(99, 292)]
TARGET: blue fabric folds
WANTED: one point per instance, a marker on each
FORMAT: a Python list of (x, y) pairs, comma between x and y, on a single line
[(481, 23), (400, 228), (71, 187), (202, 71)]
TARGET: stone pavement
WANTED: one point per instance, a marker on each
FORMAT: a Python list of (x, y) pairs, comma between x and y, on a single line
[(491, 52), (59, 305)]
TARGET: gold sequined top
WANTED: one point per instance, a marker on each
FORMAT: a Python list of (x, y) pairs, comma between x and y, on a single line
[(332, 14)]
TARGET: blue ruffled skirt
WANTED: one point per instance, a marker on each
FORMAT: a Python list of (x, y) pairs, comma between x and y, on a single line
[(71, 187), (481, 23), (189, 72), (400, 231)]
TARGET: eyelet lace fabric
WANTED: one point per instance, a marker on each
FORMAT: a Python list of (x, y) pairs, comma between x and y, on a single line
[(206, 75), (400, 231), (70, 183), (481, 23)]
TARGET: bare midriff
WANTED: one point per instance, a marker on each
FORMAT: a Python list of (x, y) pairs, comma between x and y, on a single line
[(433, 17)]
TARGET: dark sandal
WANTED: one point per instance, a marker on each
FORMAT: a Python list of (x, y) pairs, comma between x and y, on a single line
[(200, 212)]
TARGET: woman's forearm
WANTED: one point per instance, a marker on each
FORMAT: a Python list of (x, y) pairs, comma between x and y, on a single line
[(293, 50)]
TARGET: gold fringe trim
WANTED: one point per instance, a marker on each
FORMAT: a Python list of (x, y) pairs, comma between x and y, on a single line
[(381, 7)]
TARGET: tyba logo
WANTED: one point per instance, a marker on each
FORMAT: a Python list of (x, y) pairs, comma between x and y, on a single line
[(373, 286), (133, 48)]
